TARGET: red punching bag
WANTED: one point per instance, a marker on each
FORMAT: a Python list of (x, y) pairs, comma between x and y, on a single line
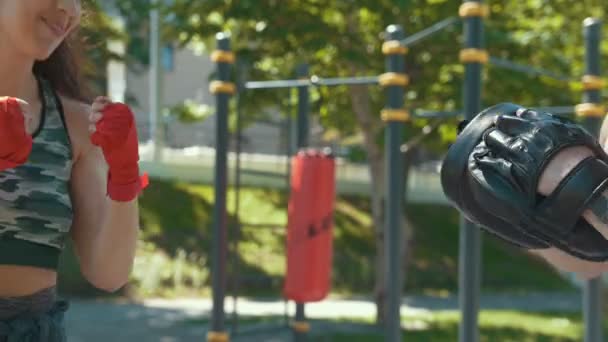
[(310, 227)]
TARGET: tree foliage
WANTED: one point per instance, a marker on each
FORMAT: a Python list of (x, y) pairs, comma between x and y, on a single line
[(343, 38)]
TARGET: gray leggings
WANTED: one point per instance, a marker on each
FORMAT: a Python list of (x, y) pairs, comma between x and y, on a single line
[(34, 318)]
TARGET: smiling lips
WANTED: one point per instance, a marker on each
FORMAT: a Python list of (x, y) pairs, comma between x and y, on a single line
[(58, 29)]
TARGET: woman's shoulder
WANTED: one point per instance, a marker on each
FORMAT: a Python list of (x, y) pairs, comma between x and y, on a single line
[(76, 115)]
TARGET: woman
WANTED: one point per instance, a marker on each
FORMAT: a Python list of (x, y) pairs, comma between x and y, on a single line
[(68, 169)]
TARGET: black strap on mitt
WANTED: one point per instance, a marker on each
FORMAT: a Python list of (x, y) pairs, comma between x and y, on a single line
[(491, 176)]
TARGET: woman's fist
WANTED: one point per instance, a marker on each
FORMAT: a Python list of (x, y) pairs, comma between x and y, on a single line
[(16, 129), (113, 129)]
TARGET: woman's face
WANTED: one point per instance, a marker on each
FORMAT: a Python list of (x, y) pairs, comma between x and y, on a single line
[(37, 27)]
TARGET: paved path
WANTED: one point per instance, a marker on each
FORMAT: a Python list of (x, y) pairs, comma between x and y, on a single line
[(160, 320)]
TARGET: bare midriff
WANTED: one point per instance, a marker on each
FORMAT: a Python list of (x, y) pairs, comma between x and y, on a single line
[(17, 281)]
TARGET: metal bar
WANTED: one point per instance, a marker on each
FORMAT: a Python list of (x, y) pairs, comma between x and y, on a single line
[(236, 236), (436, 114), (312, 81), (219, 244), (393, 237), (336, 81), (156, 79), (470, 235), (289, 152), (303, 108), (592, 308), (526, 69), (262, 173), (429, 31), (303, 135), (277, 84), (428, 114), (561, 110)]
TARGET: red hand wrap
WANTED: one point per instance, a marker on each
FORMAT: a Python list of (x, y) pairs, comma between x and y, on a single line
[(15, 143), (116, 134)]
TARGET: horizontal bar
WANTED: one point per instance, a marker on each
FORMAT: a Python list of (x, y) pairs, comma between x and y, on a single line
[(526, 69), (436, 114), (561, 110), (261, 173), (427, 114), (427, 32), (276, 84), (313, 81)]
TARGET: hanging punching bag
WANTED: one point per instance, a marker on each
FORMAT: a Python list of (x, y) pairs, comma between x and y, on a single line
[(310, 227)]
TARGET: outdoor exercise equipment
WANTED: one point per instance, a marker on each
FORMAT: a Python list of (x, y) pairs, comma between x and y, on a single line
[(474, 56)]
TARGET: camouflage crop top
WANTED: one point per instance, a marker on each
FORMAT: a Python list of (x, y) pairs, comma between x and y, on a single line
[(35, 206)]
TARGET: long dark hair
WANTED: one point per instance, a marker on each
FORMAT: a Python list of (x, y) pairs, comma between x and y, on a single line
[(63, 69)]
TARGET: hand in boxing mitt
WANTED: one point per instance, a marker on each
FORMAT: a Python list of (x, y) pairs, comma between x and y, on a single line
[(492, 175), (114, 131), (15, 142)]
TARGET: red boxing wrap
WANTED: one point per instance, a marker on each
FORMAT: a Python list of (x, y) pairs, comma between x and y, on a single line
[(116, 135), (15, 143)]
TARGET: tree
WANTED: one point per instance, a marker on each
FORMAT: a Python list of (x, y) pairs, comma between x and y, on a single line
[(343, 38)]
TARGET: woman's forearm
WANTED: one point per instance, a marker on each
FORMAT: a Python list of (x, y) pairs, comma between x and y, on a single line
[(596, 214), (115, 245)]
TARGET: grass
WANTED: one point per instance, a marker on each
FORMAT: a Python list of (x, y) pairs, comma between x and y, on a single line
[(494, 325), (174, 255), (504, 326)]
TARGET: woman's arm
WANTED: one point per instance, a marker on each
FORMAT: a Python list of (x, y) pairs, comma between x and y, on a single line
[(596, 214), (104, 232)]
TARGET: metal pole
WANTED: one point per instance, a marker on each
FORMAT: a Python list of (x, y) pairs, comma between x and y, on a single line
[(156, 81), (237, 206), (223, 89), (289, 152), (300, 326), (473, 56), (303, 136), (592, 289), (394, 115)]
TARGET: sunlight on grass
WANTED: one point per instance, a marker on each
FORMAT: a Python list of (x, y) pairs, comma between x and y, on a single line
[(494, 325)]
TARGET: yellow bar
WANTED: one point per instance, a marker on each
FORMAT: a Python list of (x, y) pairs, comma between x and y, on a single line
[(594, 110), (214, 336), (473, 56), (592, 82), (395, 115), (222, 56), (301, 327), (393, 47), (393, 79), (473, 9), (222, 87)]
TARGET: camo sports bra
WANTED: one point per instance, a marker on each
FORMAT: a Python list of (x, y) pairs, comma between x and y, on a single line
[(35, 205)]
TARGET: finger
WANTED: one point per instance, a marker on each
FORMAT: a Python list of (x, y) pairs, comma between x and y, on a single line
[(103, 99), (497, 141), (92, 128), (513, 125), (98, 106), (95, 117)]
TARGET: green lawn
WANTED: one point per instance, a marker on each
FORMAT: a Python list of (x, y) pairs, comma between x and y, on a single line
[(503, 326), (495, 325), (173, 257)]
